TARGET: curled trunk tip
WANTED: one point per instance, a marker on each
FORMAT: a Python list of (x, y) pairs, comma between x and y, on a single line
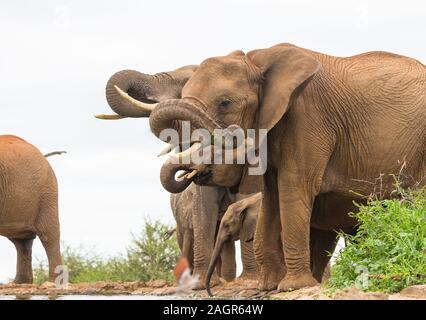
[(168, 179)]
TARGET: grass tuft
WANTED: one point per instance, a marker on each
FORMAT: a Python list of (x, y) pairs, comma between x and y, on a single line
[(389, 251)]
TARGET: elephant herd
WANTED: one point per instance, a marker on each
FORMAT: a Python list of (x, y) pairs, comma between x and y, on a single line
[(333, 127)]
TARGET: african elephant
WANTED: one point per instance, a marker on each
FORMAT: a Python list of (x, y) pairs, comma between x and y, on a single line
[(197, 210), (238, 223), (210, 202), (334, 125), (215, 202), (28, 204)]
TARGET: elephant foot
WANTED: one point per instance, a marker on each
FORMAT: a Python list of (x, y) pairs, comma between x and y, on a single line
[(297, 281), (268, 281), (23, 280)]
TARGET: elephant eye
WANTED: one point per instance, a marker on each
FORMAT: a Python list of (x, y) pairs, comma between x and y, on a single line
[(224, 103)]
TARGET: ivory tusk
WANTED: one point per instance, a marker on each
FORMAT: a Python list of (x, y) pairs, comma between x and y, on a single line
[(167, 149), (109, 116), (195, 147), (182, 175), (192, 174), (144, 106)]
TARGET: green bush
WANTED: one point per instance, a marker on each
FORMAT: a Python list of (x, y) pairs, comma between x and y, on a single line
[(148, 257), (389, 251)]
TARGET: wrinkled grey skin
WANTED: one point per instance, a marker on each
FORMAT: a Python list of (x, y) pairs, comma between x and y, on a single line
[(238, 223), (28, 204)]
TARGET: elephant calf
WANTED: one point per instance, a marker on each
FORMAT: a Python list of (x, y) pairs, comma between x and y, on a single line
[(28, 204), (238, 223), (198, 212)]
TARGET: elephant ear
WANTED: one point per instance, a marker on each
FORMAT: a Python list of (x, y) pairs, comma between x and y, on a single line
[(249, 225), (249, 216), (284, 69)]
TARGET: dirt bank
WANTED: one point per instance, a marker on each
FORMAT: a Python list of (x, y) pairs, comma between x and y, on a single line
[(246, 290)]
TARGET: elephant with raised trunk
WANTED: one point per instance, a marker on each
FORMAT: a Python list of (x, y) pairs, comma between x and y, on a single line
[(28, 204), (334, 125), (238, 223), (197, 210)]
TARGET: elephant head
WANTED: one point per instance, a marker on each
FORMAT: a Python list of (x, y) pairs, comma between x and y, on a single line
[(133, 94), (238, 222), (251, 90)]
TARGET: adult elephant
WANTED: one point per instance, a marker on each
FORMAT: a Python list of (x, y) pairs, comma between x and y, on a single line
[(28, 204), (333, 125), (197, 210)]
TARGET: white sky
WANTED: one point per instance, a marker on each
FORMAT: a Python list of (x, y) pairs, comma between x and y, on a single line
[(56, 57)]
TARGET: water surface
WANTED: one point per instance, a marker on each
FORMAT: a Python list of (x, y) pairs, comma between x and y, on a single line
[(89, 297)]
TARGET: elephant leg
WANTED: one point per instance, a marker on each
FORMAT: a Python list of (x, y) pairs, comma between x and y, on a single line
[(267, 240), (228, 267), (24, 271), (204, 218), (250, 267), (51, 244), (322, 246), (179, 238), (296, 209), (47, 229), (188, 247)]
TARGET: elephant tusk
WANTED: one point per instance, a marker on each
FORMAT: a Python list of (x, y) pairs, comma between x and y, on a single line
[(166, 150), (182, 175), (109, 116), (144, 106), (192, 174), (194, 148)]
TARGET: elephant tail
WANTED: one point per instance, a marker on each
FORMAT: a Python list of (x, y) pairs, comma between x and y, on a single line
[(168, 234), (54, 153)]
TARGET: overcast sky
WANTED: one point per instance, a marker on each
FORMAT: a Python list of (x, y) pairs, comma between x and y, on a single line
[(56, 57)]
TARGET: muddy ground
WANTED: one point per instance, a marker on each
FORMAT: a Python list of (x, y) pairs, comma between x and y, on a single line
[(233, 290)]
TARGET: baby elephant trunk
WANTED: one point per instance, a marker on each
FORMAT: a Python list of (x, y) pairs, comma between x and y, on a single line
[(213, 262)]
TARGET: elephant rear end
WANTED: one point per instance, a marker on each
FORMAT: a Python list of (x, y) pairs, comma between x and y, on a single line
[(28, 205), (25, 179)]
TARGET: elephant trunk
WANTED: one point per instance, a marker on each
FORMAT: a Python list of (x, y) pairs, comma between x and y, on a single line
[(137, 85), (213, 262), (167, 177), (168, 114)]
